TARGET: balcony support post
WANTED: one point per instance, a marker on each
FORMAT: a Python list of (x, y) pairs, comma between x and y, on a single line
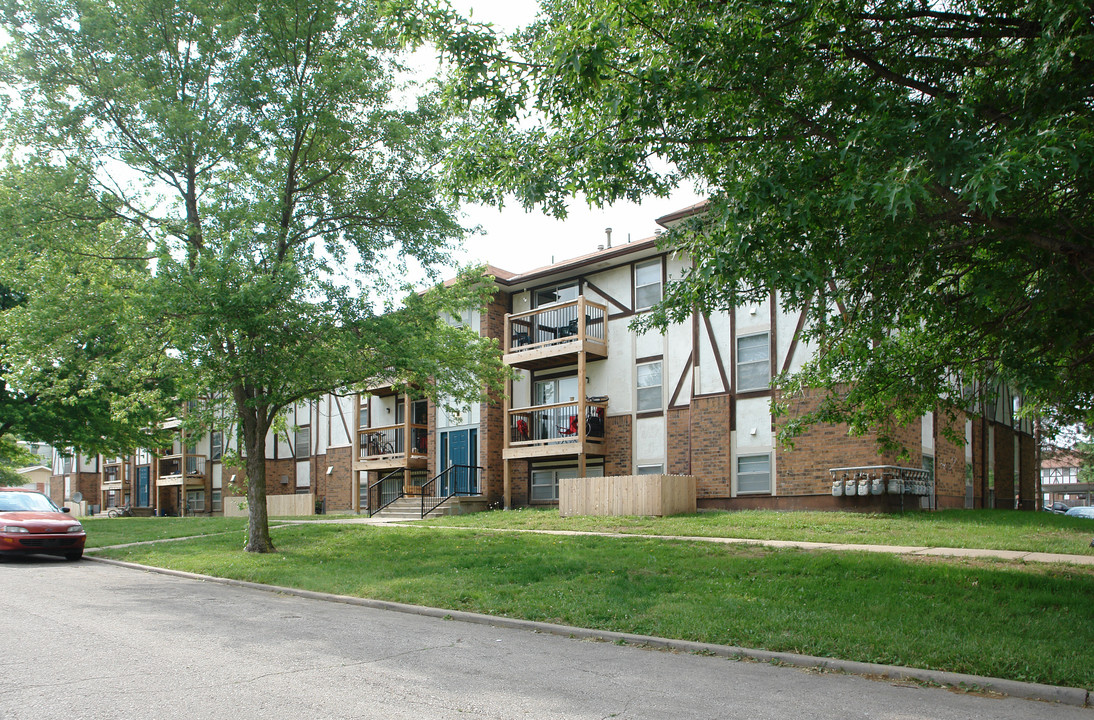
[(507, 433), (581, 390)]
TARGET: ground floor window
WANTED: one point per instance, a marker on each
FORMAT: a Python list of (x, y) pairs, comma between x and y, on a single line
[(651, 469), (218, 502), (195, 501), (111, 498), (545, 478), (754, 473)]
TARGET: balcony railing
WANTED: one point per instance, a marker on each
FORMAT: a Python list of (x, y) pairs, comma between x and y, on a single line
[(576, 321), (390, 441), (172, 466), (557, 423)]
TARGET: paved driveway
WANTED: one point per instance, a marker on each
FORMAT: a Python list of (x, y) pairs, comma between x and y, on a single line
[(90, 640)]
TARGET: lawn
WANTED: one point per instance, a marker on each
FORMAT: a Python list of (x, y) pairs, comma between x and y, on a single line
[(1033, 623), (992, 529), (103, 531)]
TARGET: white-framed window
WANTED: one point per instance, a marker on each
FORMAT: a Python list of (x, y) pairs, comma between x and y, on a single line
[(302, 443), (216, 445), (649, 386), (218, 500), (545, 480), (545, 483), (564, 292), (753, 474), (195, 501), (753, 362), (556, 390), (651, 469), (647, 284)]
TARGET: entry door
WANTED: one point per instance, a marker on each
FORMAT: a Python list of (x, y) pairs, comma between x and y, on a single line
[(143, 485), (458, 454)]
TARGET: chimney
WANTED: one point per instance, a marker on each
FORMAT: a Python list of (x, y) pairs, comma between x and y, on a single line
[(608, 232)]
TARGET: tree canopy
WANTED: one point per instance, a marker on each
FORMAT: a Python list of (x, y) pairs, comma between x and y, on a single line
[(283, 179), (917, 174), (76, 370)]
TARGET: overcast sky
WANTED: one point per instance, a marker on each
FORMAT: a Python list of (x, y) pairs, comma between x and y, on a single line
[(518, 241)]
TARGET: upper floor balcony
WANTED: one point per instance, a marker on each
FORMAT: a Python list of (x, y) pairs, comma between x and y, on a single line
[(555, 335), (182, 469), (112, 473), (555, 430), (387, 447)]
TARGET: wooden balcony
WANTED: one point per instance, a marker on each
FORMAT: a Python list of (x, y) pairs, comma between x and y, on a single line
[(181, 470), (556, 335), (112, 474), (555, 430), (381, 448)]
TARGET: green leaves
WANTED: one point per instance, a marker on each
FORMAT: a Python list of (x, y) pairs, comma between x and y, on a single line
[(928, 168)]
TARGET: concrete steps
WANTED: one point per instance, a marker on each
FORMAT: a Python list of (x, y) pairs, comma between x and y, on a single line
[(410, 508)]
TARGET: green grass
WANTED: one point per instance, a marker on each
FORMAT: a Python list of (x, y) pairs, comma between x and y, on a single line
[(1033, 623), (992, 529), (103, 531)]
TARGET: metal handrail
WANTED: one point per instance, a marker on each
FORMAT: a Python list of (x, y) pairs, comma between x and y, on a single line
[(379, 489), (431, 501)]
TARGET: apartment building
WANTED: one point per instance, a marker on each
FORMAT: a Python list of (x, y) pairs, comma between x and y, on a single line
[(593, 397)]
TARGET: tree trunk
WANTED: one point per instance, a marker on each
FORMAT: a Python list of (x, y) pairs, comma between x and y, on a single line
[(254, 440)]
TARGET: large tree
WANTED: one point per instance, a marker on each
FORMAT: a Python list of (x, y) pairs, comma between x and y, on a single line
[(916, 173), (75, 366), (285, 181)]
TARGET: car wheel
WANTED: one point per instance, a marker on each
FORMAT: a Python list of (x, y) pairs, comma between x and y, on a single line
[(74, 555)]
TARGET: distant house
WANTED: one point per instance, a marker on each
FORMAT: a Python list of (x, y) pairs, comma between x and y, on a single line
[(1060, 479), (36, 477)]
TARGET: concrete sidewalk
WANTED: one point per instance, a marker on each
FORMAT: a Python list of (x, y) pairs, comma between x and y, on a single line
[(1009, 555)]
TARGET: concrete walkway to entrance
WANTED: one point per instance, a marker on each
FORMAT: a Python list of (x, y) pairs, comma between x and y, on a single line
[(1010, 555)]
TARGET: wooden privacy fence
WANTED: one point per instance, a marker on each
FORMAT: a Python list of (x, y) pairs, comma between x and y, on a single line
[(276, 505), (627, 495)]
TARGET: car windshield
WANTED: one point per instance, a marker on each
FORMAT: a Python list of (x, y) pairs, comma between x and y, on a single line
[(26, 502)]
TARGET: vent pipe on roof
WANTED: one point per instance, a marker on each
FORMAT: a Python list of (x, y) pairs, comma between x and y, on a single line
[(608, 232)]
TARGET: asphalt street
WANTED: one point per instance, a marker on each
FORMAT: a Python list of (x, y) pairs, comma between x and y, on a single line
[(90, 640)]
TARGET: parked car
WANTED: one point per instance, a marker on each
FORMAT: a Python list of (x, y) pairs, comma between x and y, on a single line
[(1083, 512), (1058, 507), (30, 524)]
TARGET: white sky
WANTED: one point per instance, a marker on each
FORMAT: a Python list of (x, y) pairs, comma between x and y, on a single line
[(518, 241)]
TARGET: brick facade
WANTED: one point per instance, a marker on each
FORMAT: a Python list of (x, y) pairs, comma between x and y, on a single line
[(337, 488), (618, 436), (949, 463), (492, 412), (709, 447), (1004, 467)]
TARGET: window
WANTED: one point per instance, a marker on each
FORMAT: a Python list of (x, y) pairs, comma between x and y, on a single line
[(649, 386), (753, 363), (545, 483), (216, 445), (218, 501), (647, 284), (651, 469), (302, 445), (754, 474), (195, 501), (557, 294), (556, 390)]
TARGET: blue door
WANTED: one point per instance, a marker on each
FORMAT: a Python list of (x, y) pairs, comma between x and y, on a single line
[(459, 448), (142, 486), (458, 454)]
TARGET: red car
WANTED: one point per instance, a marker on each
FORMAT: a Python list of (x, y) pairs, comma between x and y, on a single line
[(31, 524)]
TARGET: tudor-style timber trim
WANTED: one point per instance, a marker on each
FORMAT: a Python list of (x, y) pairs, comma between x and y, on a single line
[(797, 332), (680, 383), (726, 385)]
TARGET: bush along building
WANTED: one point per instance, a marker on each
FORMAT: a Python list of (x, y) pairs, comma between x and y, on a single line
[(593, 398)]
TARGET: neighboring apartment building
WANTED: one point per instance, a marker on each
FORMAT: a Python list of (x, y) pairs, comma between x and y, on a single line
[(593, 397), (1060, 479)]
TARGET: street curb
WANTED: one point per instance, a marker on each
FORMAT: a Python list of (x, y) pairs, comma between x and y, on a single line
[(973, 683)]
